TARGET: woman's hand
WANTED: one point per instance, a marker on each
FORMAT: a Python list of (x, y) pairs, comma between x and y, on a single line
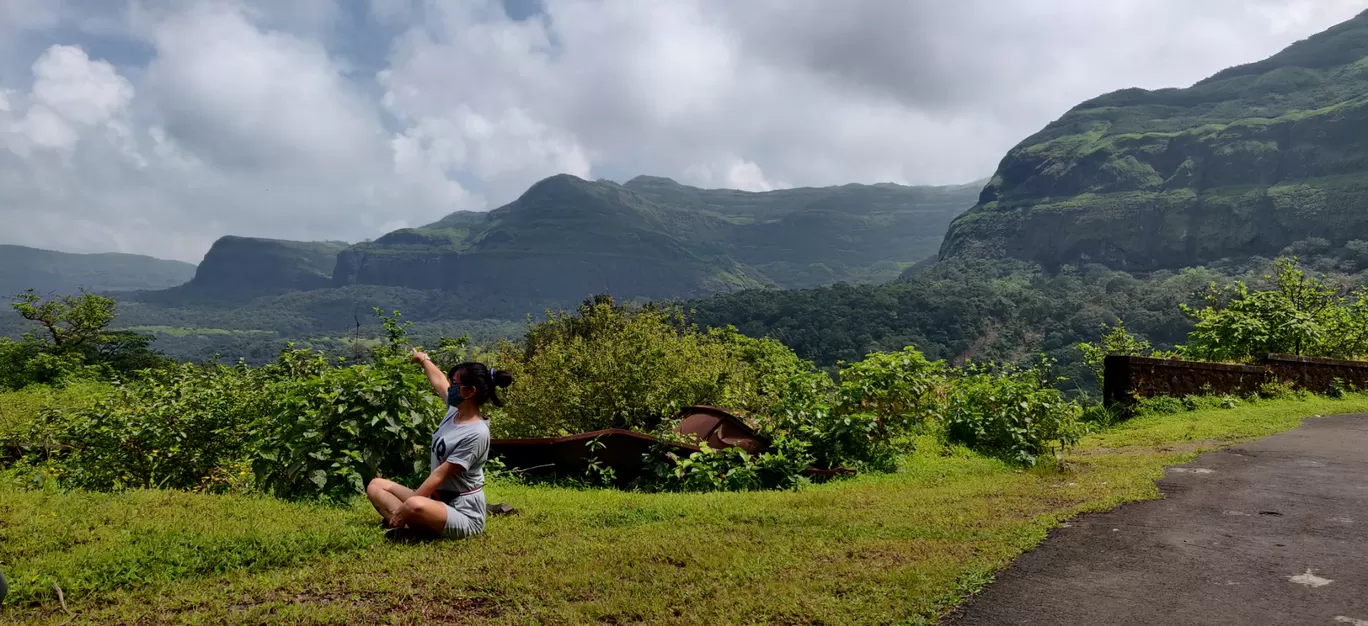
[(420, 356)]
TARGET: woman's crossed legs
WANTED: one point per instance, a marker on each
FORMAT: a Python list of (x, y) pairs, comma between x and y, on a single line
[(400, 507)]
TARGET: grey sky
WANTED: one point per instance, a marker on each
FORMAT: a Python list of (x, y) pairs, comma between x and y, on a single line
[(155, 126)]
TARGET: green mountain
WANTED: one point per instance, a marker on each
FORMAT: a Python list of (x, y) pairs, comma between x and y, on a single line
[(1243, 163), (816, 236), (566, 238), (238, 267), (48, 271)]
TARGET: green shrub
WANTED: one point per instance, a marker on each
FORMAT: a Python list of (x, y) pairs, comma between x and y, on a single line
[(332, 429), (867, 420), (1300, 315), (1013, 413), (1100, 416), (170, 430), (728, 469), (37, 414), (1277, 388), (611, 366)]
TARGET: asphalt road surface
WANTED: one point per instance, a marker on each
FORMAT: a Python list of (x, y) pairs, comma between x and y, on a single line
[(1272, 532)]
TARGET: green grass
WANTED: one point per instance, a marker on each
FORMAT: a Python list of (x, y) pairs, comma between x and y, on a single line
[(895, 548)]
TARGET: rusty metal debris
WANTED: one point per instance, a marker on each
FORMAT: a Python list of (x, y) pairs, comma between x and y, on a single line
[(622, 450), (720, 429)]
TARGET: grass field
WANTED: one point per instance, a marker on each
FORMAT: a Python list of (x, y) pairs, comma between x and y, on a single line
[(896, 548)]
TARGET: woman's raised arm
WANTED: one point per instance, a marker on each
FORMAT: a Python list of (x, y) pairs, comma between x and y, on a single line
[(435, 376)]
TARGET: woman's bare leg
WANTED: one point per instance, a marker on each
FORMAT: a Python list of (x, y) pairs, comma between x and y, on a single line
[(427, 515), (387, 496)]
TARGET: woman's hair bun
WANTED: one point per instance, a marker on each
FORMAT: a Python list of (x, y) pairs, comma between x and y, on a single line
[(501, 378)]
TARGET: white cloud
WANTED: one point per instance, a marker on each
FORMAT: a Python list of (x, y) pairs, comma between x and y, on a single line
[(256, 100), (231, 128), (71, 95), (161, 125)]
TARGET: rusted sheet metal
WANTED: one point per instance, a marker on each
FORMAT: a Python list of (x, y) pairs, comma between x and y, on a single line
[(720, 429), (622, 450)]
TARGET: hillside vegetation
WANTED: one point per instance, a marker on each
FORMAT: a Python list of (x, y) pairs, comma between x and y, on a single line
[(977, 309), (1243, 163)]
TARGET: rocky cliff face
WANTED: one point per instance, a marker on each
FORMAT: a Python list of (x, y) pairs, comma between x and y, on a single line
[(1246, 162), (242, 266)]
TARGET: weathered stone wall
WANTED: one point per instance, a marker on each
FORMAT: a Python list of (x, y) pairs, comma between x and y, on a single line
[(1130, 377), (1316, 374)]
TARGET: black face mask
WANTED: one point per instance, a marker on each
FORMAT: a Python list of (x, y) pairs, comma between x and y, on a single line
[(454, 395)]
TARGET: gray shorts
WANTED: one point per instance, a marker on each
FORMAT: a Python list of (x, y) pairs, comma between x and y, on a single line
[(465, 516)]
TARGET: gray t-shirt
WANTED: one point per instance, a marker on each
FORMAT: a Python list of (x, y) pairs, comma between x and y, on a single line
[(465, 444)]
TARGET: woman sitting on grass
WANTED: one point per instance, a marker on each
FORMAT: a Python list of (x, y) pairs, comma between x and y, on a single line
[(451, 502)]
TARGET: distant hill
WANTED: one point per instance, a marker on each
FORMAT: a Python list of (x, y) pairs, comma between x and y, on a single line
[(1244, 163), (48, 271), (567, 237), (810, 236), (246, 267)]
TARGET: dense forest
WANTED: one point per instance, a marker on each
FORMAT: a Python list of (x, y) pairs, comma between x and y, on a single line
[(1006, 310)]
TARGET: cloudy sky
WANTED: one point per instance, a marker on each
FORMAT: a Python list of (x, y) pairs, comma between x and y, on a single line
[(156, 126)]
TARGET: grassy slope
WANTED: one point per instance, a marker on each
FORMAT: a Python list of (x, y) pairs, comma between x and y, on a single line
[(876, 549)]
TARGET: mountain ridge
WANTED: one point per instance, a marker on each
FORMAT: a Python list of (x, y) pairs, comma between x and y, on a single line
[(699, 241), (1243, 163), (24, 267)]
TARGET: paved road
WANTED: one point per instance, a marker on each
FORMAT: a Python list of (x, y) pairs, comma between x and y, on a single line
[(1273, 532)]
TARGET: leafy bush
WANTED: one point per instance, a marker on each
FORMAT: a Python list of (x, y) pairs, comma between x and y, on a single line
[(35, 415), (1300, 315), (306, 427), (1013, 413), (170, 430), (877, 408), (1097, 415), (1277, 388), (1168, 405), (728, 469), (610, 366), (332, 429)]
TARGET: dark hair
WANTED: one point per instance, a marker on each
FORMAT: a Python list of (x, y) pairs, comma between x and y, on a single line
[(486, 381)]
